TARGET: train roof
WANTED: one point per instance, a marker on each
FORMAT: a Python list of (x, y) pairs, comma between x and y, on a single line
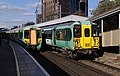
[(31, 26), (55, 25), (70, 18), (15, 30)]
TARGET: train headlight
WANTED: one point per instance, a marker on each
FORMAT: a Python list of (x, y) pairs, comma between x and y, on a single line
[(39, 41), (25, 41)]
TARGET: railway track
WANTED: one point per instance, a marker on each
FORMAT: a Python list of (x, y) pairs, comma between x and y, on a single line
[(74, 68), (50, 67), (104, 67)]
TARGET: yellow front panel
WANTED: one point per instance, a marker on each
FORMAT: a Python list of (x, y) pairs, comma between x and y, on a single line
[(33, 37), (86, 40), (77, 44), (39, 40), (95, 42)]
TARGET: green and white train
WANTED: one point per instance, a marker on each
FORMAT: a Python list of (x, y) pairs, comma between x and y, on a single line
[(30, 35), (74, 37)]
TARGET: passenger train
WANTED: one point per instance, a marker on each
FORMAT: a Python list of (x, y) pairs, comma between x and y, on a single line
[(71, 37), (30, 35), (74, 37)]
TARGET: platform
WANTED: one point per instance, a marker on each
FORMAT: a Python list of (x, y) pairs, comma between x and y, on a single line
[(16, 61)]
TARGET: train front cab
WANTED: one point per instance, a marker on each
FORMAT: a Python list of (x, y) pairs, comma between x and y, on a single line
[(84, 41), (32, 37)]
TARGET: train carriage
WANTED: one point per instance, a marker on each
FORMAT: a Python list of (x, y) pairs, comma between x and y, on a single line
[(74, 36), (30, 35)]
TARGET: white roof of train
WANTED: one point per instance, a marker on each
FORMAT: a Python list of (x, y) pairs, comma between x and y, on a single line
[(14, 30), (62, 20)]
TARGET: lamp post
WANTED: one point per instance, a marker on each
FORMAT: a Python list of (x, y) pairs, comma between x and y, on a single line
[(44, 12), (60, 11)]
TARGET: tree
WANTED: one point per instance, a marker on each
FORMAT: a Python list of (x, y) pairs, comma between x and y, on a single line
[(105, 6), (29, 23)]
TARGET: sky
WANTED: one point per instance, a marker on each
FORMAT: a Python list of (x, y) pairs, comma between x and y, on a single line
[(17, 12)]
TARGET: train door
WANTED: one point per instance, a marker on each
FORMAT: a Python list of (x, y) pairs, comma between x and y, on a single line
[(33, 37), (54, 36), (86, 36), (66, 38), (39, 36), (26, 36), (77, 36)]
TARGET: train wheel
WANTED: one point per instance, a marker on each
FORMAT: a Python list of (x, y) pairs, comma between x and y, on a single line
[(100, 53), (93, 55), (74, 55)]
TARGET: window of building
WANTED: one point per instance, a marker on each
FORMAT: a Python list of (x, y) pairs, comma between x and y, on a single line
[(55, 1)]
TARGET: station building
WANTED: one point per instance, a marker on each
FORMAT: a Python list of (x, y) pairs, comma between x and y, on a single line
[(54, 9), (109, 23)]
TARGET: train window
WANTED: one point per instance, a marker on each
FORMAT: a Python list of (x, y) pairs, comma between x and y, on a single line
[(87, 32), (26, 34), (62, 35), (58, 35), (68, 34), (48, 34), (39, 34), (95, 30), (21, 35), (77, 31)]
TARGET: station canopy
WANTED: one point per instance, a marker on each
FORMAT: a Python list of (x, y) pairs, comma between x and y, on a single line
[(70, 18)]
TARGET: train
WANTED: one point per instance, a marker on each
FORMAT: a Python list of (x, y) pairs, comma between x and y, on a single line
[(30, 35), (74, 37), (71, 37)]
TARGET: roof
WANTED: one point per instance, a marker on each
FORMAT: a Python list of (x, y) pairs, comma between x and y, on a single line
[(62, 20), (112, 11), (14, 30)]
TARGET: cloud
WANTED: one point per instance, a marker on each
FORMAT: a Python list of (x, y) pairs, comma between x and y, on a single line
[(29, 14), (10, 9), (3, 26), (35, 5), (15, 21)]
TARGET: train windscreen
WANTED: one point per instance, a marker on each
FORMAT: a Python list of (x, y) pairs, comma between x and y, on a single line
[(77, 31), (95, 30), (39, 34), (87, 32), (48, 34), (26, 34)]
